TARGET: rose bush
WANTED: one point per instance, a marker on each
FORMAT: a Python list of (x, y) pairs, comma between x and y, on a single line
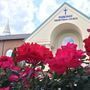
[(13, 76), (65, 71)]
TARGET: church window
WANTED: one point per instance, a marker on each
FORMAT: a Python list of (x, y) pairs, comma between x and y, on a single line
[(9, 52), (67, 39)]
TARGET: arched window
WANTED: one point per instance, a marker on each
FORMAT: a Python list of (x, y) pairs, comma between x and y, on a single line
[(67, 39), (9, 52)]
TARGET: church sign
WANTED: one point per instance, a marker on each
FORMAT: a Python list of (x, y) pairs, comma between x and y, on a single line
[(66, 17)]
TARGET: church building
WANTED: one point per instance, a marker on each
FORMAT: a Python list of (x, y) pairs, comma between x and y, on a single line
[(66, 24)]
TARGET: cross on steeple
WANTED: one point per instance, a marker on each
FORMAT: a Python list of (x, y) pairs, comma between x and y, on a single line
[(65, 10)]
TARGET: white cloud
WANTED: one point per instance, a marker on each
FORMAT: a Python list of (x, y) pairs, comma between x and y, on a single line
[(47, 7), (13, 31), (29, 27), (82, 5), (5, 10), (1, 30), (13, 8)]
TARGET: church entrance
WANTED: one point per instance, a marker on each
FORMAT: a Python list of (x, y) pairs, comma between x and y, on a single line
[(65, 33)]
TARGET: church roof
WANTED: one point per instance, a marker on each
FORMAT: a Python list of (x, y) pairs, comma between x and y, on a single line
[(56, 11), (14, 37)]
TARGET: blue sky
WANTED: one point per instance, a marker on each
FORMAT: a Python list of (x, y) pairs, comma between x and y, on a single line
[(26, 15)]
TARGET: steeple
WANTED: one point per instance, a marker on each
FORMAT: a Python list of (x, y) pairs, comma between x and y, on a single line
[(6, 30)]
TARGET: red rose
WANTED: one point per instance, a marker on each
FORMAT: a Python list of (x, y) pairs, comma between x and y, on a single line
[(22, 52), (33, 53), (6, 62), (66, 57), (5, 88), (13, 78), (87, 45), (70, 55), (15, 68), (57, 66)]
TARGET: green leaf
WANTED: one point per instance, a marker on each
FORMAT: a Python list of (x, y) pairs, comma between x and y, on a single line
[(55, 76), (5, 83), (13, 54), (83, 57), (1, 70), (9, 72), (43, 67)]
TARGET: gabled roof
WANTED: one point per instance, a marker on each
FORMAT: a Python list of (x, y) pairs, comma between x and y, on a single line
[(14, 37), (55, 12)]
